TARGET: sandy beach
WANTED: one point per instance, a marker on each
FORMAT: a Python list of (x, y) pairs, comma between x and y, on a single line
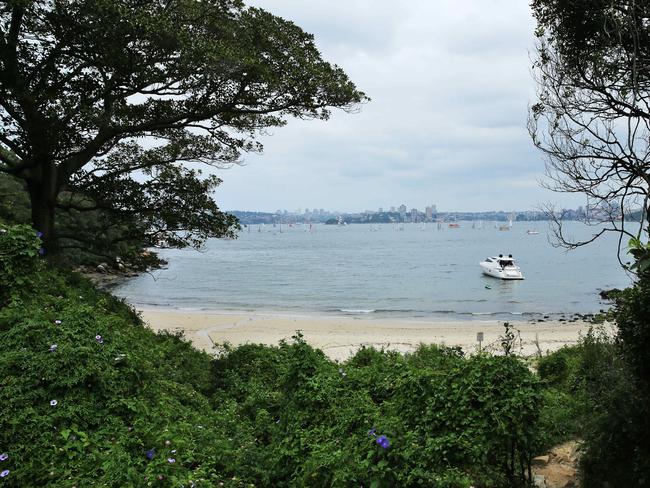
[(341, 336)]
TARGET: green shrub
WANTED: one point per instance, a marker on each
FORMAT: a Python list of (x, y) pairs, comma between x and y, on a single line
[(632, 316), (553, 368), (78, 408), (562, 368), (616, 450), (562, 417), (591, 393), (19, 250)]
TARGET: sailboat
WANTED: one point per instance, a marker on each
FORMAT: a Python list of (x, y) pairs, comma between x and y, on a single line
[(507, 226)]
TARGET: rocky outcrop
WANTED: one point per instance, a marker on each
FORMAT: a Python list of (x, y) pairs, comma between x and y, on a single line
[(107, 274), (609, 294), (558, 468)]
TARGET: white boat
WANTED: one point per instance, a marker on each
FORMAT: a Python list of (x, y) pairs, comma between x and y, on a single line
[(501, 267), (532, 232)]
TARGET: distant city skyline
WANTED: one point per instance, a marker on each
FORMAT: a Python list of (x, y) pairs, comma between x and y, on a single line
[(390, 208), (431, 212), (400, 215), (450, 86), (307, 210)]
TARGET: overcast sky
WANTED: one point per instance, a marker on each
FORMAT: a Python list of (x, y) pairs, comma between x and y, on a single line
[(450, 84)]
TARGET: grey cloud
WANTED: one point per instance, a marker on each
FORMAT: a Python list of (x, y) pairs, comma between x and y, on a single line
[(450, 85)]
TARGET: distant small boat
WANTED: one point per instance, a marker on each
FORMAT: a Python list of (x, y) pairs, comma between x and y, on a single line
[(454, 226), (532, 232), (509, 225), (162, 244), (500, 267)]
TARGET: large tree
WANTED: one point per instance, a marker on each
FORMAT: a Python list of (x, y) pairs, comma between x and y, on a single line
[(111, 106), (592, 120), (592, 116)]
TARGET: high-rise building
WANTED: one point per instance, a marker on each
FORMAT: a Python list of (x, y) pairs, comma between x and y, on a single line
[(414, 215), (402, 212)]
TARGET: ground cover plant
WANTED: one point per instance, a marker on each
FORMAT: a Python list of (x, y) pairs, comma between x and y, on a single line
[(91, 396), (591, 394)]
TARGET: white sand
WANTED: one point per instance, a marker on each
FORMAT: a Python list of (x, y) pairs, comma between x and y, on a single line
[(340, 336)]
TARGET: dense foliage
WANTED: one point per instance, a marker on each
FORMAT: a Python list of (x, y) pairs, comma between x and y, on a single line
[(89, 395), (111, 105), (596, 32), (18, 250), (593, 392), (109, 242), (618, 445)]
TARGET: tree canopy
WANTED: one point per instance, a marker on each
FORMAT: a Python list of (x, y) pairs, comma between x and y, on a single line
[(592, 121), (592, 115), (111, 106)]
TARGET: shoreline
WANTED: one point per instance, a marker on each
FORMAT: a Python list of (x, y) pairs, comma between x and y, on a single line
[(340, 336)]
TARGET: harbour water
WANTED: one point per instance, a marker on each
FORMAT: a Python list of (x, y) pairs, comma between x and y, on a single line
[(405, 271)]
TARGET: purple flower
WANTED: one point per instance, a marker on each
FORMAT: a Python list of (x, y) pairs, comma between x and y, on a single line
[(53, 403), (171, 460), (4, 473), (53, 347), (372, 431), (173, 451), (150, 453), (41, 251), (39, 234), (99, 339), (4, 456), (383, 441)]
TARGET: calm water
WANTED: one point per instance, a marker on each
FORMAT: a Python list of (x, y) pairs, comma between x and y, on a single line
[(373, 271)]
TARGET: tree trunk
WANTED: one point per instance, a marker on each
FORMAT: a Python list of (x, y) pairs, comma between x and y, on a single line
[(43, 191)]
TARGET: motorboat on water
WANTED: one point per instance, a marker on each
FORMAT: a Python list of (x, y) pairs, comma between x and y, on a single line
[(501, 267)]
